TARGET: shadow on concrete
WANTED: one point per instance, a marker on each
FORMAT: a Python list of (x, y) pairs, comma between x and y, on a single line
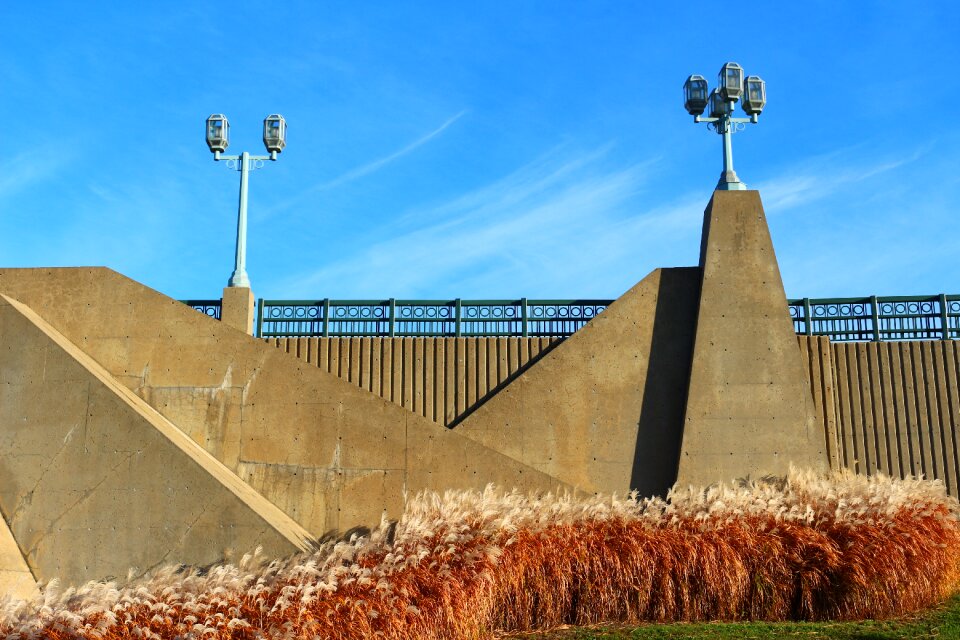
[(660, 429), (507, 381)]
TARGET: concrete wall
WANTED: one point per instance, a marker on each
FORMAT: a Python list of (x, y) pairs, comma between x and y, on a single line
[(93, 481), (441, 379), (749, 407), (329, 454), (600, 411), (912, 383), (817, 357)]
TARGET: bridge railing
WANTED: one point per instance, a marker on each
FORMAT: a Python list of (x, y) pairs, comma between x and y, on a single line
[(206, 307), (873, 318), (390, 317)]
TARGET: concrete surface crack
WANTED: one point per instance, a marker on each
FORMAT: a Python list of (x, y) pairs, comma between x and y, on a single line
[(77, 502), (179, 545), (27, 498)]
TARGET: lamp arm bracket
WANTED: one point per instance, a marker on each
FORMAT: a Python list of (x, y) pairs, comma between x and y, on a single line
[(233, 162)]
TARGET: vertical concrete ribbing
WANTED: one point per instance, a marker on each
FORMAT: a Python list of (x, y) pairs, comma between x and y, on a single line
[(953, 406)]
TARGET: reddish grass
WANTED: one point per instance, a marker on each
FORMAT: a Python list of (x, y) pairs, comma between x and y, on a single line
[(470, 563)]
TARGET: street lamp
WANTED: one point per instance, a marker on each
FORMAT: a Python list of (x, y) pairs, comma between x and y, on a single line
[(218, 138), (731, 87)]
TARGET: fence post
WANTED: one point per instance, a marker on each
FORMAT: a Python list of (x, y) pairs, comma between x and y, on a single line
[(393, 317), (259, 333), (876, 318), (944, 318), (326, 317), (523, 316), (456, 325), (807, 317)]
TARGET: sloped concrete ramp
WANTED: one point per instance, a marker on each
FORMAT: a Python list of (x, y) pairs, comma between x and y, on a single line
[(16, 580), (603, 410), (93, 481)]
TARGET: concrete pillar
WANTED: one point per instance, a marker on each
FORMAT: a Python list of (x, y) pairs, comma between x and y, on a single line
[(238, 308), (749, 409)]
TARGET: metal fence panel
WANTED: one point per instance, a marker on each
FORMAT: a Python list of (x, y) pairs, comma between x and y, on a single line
[(392, 318), (878, 318), (868, 319)]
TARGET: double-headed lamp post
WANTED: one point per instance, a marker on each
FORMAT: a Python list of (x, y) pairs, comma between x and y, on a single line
[(218, 138), (731, 87)]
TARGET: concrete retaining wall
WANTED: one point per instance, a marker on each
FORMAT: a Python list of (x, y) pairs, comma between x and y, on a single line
[(328, 454), (93, 481), (913, 387)]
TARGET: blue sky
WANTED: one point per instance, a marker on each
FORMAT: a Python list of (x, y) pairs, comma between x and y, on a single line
[(475, 150)]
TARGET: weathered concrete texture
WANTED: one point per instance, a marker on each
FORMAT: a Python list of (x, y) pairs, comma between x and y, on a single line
[(603, 410), (331, 455), (93, 481), (237, 308), (749, 408), (16, 580)]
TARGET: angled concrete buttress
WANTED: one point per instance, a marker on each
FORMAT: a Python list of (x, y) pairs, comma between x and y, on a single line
[(16, 580), (749, 408), (329, 454), (94, 482), (602, 411)]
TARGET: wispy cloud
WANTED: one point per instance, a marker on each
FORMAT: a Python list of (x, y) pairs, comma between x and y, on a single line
[(863, 223), (30, 167), (368, 168), (818, 178), (558, 225)]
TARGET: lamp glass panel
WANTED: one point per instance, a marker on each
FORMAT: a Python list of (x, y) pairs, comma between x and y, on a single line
[(733, 78)]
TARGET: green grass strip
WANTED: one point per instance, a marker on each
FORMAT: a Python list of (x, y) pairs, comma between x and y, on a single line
[(940, 622)]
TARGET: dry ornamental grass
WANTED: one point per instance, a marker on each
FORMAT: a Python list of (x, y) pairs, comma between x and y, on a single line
[(466, 564)]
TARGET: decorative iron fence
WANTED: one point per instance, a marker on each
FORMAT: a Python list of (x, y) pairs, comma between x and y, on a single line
[(207, 307), (867, 319), (875, 319), (523, 317)]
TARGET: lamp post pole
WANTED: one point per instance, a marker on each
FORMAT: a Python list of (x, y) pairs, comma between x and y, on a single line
[(726, 125), (239, 276), (244, 163)]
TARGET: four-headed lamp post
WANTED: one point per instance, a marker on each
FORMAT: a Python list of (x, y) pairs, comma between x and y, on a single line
[(731, 87), (218, 138)]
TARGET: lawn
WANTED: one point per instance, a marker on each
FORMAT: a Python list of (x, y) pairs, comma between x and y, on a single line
[(940, 622)]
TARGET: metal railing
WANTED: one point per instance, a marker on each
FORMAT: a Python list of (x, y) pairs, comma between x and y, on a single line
[(876, 319), (868, 319), (391, 318), (207, 307)]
